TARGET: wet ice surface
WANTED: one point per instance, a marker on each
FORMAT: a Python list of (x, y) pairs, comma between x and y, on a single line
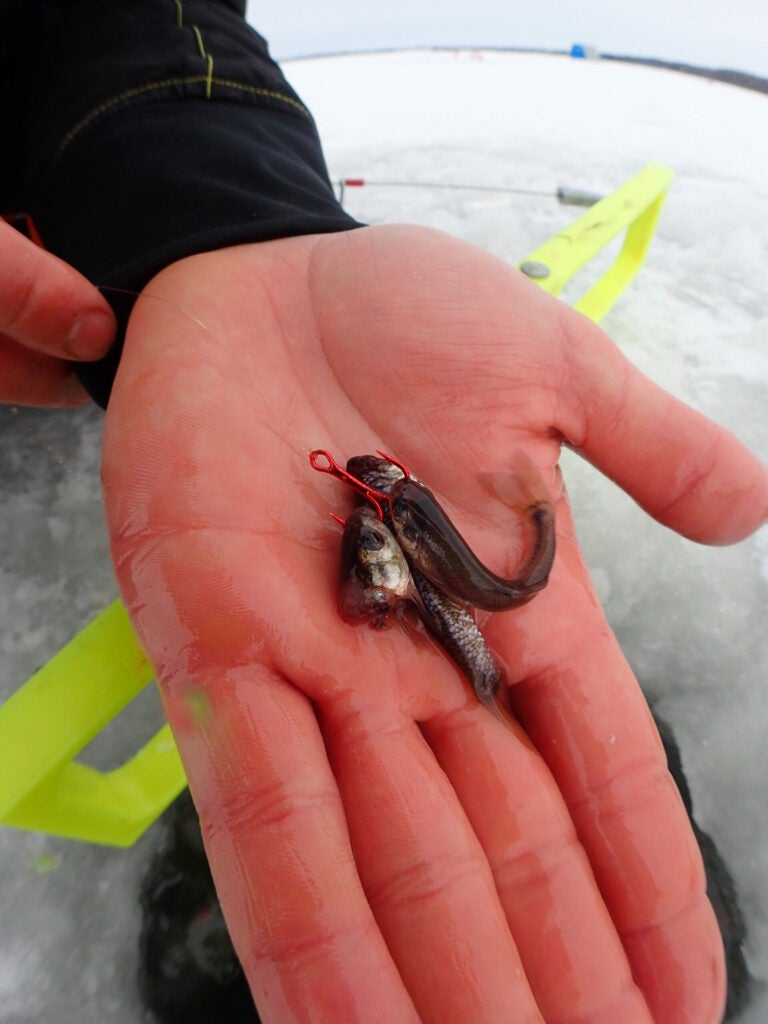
[(691, 619)]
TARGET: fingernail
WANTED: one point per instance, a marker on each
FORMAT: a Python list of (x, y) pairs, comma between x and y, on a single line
[(90, 335)]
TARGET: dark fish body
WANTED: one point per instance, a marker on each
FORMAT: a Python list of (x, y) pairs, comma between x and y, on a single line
[(451, 624), (433, 543), (445, 575)]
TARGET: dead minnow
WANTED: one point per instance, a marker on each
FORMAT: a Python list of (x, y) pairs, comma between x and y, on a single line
[(451, 625), (434, 545), (375, 575)]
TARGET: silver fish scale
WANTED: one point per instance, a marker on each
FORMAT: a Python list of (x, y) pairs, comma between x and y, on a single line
[(455, 628)]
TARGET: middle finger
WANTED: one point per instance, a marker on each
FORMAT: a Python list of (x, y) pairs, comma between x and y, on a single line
[(424, 871)]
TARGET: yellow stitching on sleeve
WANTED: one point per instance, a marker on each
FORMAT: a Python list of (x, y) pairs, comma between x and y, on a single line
[(199, 39), (208, 61), (179, 14), (165, 83), (209, 78)]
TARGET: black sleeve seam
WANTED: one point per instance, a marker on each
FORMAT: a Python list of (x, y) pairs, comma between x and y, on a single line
[(163, 84)]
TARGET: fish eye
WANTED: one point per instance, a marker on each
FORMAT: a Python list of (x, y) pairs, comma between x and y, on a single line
[(409, 534), (371, 541)]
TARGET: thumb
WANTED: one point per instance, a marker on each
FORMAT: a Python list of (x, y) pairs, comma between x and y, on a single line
[(686, 471), (47, 306)]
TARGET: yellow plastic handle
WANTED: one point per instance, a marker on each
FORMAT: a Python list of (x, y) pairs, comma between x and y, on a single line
[(55, 714), (634, 207)]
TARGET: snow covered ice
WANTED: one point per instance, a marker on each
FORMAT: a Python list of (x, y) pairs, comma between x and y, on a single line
[(690, 619)]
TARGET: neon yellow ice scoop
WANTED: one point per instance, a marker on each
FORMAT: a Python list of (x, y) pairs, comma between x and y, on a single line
[(54, 715)]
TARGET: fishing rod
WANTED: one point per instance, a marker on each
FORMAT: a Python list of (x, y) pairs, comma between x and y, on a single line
[(564, 194)]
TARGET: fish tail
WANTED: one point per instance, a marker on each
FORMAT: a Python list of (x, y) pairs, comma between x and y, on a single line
[(522, 489), (535, 571)]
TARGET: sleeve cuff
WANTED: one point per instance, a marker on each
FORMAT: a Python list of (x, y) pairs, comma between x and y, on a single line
[(164, 163)]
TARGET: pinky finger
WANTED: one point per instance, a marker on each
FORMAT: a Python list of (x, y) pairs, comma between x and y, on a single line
[(28, 377)]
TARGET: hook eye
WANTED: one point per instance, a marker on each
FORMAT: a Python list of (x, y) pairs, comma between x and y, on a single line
[(324, 462), (315, 461)]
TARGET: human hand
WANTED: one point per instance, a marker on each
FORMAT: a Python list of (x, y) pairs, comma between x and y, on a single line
[(385, 849), (49, 315)]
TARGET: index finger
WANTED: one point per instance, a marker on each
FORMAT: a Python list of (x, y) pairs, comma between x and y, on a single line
[(48, 306)]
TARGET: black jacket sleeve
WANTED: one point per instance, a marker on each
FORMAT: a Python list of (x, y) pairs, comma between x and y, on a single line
[(150, 130)]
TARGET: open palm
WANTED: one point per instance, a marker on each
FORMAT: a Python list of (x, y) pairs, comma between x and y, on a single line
[(384, 849)]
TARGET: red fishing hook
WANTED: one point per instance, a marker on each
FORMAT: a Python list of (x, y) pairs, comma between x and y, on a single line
[(395, 462), (332, 467)]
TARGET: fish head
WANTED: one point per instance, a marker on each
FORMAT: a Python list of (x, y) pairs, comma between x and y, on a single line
[(374, 471), (375, 576)]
